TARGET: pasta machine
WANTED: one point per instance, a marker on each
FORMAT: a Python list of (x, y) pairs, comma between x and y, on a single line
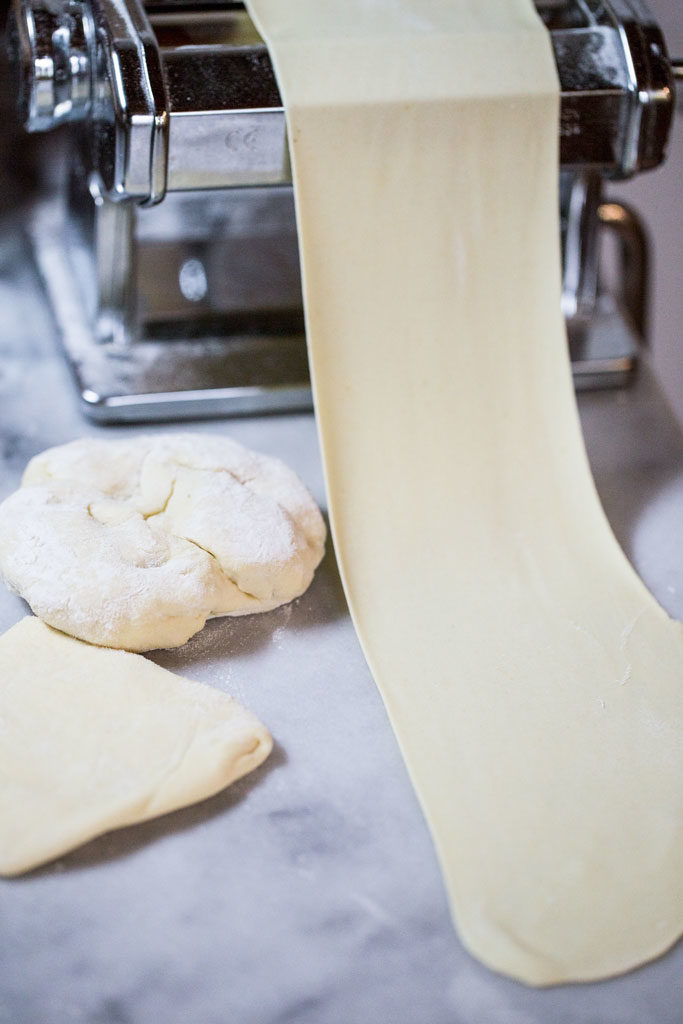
[(169, 251)]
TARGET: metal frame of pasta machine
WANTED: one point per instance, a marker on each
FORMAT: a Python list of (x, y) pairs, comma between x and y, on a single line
[(192, 306)]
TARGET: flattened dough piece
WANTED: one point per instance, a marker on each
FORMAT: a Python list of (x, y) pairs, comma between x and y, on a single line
[(135, 543), (91, 740)]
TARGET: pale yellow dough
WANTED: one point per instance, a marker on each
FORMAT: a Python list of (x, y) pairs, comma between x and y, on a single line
[(534, 685), (135, 542), (93, 739)]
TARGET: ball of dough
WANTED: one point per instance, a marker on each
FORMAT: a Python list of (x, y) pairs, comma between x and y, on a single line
[(134, 543)]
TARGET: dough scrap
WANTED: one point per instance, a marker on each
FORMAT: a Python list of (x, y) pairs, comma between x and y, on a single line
[(134, 543), (94, 739), (534, 685)]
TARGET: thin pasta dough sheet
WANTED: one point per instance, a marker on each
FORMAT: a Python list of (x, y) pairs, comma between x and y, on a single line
[(534, 685)]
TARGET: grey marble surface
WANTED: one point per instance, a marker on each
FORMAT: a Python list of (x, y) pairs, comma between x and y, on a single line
[(308, 892)]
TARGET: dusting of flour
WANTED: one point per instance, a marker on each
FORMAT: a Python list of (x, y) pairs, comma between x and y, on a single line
[(136, 543)]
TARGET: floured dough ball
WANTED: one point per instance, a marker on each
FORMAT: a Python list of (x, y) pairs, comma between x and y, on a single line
[(135, 543)]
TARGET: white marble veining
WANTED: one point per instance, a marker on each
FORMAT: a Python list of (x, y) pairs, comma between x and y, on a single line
[(309, 892)]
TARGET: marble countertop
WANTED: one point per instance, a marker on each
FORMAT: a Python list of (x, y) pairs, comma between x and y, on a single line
[(308, 892)]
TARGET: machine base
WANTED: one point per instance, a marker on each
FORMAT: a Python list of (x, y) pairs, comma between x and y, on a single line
[(172, 379)]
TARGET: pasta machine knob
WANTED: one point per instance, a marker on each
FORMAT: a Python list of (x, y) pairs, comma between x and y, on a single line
[(52, 47)]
